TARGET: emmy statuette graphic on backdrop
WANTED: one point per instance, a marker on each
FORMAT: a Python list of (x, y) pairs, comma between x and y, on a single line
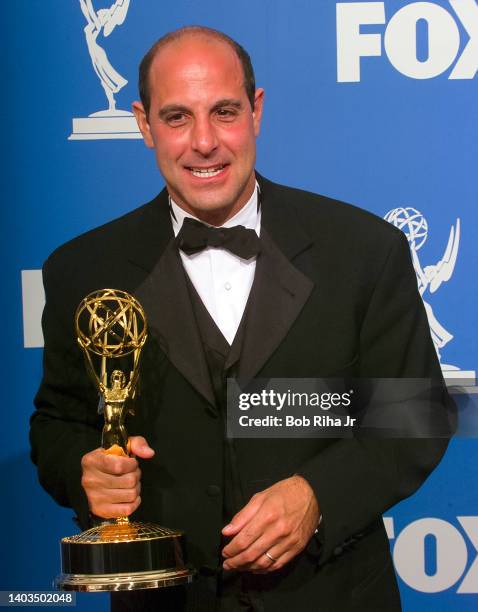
[(111, 122), (429, 278), (118, 554)]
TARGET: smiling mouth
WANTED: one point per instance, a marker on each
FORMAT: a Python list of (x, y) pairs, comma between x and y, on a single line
[(206, 172)]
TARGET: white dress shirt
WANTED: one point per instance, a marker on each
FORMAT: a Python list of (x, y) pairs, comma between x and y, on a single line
[(223, 280)]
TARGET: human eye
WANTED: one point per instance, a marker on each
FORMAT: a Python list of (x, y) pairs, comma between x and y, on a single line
[(226, 113), (176, 119)]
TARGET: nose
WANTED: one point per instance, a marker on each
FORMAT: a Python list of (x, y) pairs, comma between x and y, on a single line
[(204, 137)]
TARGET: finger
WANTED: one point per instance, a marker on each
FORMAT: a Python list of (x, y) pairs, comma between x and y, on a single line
[(104, 484), (140, 448), (263, 565), (124, 481), (116, 510), (98, 460), (94, 479), (262, 532), (240, 520), (116, 466), (265, 519), (274, 557), (277, 539), (278, 555), (254, 554), (238, 547), (277, 565), (115, 496)]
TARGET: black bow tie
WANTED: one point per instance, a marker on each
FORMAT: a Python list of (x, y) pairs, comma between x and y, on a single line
[(194, 237)]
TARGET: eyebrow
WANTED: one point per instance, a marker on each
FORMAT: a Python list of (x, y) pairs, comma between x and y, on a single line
[(179, 108), (227, 102)]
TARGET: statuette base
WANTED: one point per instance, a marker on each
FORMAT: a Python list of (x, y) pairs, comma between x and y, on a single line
[(123, 556)]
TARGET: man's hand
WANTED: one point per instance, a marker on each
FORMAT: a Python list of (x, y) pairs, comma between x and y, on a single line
[(112, 483), (278, 521)]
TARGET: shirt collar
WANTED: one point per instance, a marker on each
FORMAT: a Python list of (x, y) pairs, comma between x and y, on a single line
[(249, 216)]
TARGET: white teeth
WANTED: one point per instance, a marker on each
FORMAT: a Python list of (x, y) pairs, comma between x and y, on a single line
[(206, 172)]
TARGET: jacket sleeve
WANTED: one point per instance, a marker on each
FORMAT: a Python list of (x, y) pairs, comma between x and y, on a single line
[(65, 424), (356, 480)]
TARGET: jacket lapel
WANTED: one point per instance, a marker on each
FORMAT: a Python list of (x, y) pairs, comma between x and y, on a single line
[(164, 295), (279, 291), (278, 294)]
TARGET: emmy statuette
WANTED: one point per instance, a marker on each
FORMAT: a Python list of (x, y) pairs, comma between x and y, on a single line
[(118, 554)]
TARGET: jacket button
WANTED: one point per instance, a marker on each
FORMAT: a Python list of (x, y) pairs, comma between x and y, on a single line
[(213, 490)]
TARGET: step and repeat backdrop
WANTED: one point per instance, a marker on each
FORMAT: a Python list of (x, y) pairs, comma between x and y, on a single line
[(374, 103)]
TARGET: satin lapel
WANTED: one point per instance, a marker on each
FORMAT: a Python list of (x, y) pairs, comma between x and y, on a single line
[(278, 294), (164, 295)]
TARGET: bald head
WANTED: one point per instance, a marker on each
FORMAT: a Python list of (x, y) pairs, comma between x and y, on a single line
[(194, 31)]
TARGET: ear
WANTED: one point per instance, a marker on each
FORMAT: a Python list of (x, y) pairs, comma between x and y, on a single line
[(257, 112), (143, 124)]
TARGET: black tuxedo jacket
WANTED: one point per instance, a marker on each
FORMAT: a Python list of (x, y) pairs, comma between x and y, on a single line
[(334, 295)]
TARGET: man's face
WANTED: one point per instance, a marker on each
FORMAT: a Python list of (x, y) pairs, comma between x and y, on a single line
[(202, 126)]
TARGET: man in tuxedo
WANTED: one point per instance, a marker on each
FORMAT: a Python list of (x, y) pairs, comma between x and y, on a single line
[(306, 288)]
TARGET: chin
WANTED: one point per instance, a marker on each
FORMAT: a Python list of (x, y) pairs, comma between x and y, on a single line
[(211, 204)]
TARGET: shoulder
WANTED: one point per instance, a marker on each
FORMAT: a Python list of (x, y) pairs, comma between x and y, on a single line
[(330, 219), (115, 238), (314, 208)]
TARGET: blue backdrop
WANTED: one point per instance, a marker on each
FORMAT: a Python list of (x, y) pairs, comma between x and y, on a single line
[(373, 103)]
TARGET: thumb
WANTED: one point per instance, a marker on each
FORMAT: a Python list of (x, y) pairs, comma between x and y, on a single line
[(242, 517), (140, 448)]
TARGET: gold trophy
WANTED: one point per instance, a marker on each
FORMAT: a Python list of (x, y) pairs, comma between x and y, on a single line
[(118, 554)]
